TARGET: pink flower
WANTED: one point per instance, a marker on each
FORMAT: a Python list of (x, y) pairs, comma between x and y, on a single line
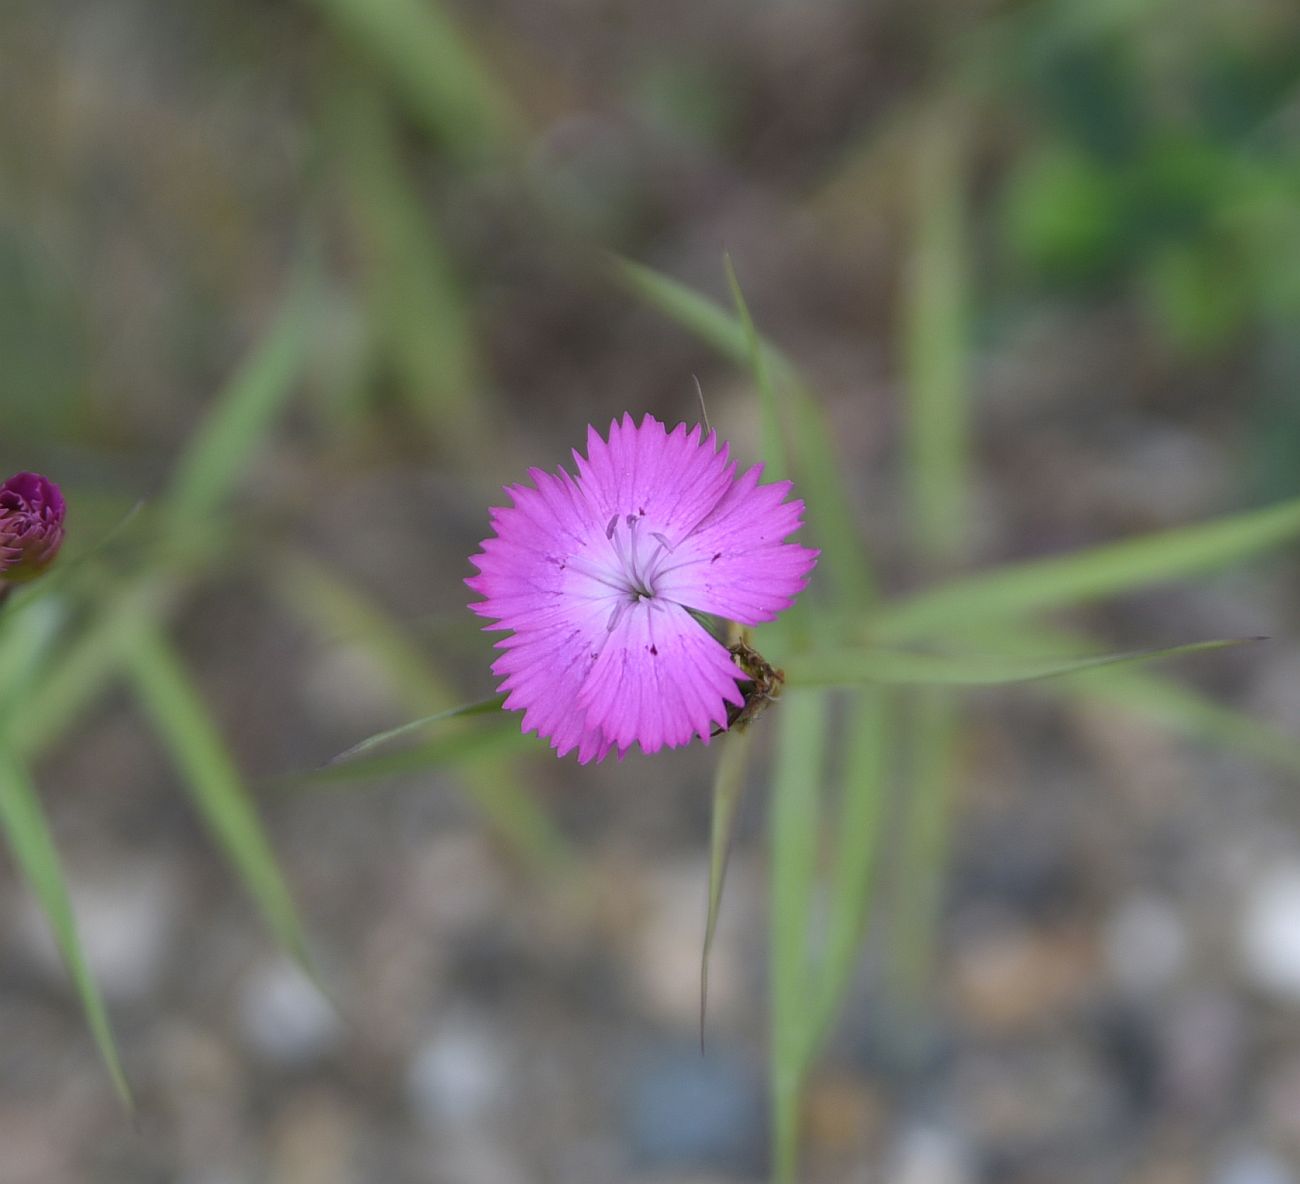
[(31, 526), (599, 578)]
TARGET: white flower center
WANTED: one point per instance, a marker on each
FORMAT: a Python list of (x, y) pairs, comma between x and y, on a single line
[(639, 554)]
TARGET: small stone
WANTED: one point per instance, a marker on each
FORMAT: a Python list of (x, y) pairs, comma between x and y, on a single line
[(311, 1141), (125, 920), (1008, 976), (684, 1110), (842, 1114), (460, 1075), (1252, 1165), (1203, 1037), (928, 1154), (1270, 932), (1145, 943), (284, 1017), (469, 1156)]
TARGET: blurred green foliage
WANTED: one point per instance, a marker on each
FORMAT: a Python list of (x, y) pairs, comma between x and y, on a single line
[(1143, 153), (1162, 157)]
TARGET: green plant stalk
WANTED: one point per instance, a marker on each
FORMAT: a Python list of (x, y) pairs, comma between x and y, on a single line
[(728, 786), (795, 825), (856, 835)]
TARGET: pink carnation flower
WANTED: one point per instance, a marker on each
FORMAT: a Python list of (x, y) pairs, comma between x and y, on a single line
[(598, 577)]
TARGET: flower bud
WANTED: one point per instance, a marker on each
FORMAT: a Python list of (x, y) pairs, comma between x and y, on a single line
[(31, 526)]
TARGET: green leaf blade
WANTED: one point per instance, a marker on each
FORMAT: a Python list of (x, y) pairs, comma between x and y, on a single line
[(728, 786), (243, 411), (776, 466), (316, 595), (830, 512), (1108, 570), (935, 334), (857, 832), (481, 707), (1181, 709), (33, 849), (856, 666), (208, 771), (417, 306), (418, 49), (931, 736)]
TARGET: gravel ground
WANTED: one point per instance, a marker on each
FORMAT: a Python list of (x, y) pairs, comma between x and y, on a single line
[(1117, 978)]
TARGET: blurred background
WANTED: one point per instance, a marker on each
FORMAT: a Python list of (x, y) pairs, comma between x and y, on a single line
[(314, 280)]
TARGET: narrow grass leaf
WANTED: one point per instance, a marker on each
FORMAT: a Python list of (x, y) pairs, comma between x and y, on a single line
[(704, 318), (1108, 570), (58, 694), (1143, 692), (857, 840), (221, 448), (422, 55), (69, 568), (481, 707), (927, 827), (444, 752), (776, 467), (1189, 713), (417, 306), (831, 515), (728, 785), (185, 727), (855, 666), (935, 341), (33, 848), (25, 645), (794, 824), (335, 609)]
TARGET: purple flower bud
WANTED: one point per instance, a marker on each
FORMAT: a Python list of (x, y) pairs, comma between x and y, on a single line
[(31, 526)]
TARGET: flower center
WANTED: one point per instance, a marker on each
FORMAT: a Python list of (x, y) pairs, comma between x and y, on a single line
[(639, 553)]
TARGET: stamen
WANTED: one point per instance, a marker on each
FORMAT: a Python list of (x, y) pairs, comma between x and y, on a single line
[(609, 530), (634, 553)]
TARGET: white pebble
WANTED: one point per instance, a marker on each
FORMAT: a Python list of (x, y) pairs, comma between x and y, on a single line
[(1270, 932), (125, 921), (930, 1155), (284, 1017), (459, 1074)]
